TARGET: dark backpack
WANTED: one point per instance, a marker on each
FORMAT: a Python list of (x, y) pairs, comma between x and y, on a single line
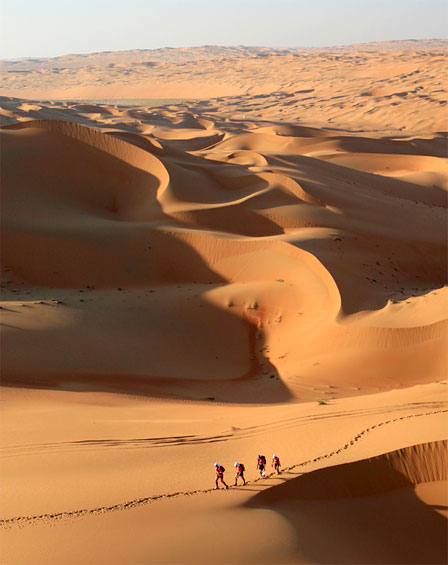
[(263, 459), (242, 469), (221, 468)]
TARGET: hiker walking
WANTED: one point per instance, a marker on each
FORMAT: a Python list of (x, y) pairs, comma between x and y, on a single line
[(239, 473), (220, 475), (276, 463), (261, 465)]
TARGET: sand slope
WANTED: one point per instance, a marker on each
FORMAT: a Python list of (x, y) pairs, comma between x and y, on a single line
[(370, 511), (403, 468)]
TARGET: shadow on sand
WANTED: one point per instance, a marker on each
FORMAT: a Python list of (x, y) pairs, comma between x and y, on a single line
[(361, 513)]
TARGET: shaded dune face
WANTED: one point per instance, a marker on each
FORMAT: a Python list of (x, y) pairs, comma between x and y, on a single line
[(289, 267), (369, 511), (407, 467)]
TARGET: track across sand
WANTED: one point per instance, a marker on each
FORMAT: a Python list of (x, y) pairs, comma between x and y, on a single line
[(191, 440), (30, 520)]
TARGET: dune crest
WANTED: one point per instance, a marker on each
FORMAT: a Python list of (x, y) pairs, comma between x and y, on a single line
[(403, 468)]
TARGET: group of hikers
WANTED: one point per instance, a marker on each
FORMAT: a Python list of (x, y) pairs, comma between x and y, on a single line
[(261, 466)]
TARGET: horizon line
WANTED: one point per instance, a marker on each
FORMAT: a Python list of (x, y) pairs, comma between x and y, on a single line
[(309, 47)]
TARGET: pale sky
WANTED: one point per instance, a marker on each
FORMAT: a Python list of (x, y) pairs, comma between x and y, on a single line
[(47, 28)]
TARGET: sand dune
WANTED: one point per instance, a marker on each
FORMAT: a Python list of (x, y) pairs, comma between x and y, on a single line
[(404, 468), (384, 495)]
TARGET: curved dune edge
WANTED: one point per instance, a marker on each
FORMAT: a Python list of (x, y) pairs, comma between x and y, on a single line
[(406, 467), (130, 154)]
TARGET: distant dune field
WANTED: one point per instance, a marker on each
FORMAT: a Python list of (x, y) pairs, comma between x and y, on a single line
[(398, 86)]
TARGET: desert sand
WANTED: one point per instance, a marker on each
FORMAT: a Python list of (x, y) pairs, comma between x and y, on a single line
[(260, 269)]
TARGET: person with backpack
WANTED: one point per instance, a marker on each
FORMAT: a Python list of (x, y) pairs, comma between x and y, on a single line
[(220, 475), (239, 473), (261, 465), (276, 463)]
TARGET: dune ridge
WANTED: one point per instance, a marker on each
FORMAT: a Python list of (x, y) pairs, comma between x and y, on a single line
[(402, 468), (167, 54)]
